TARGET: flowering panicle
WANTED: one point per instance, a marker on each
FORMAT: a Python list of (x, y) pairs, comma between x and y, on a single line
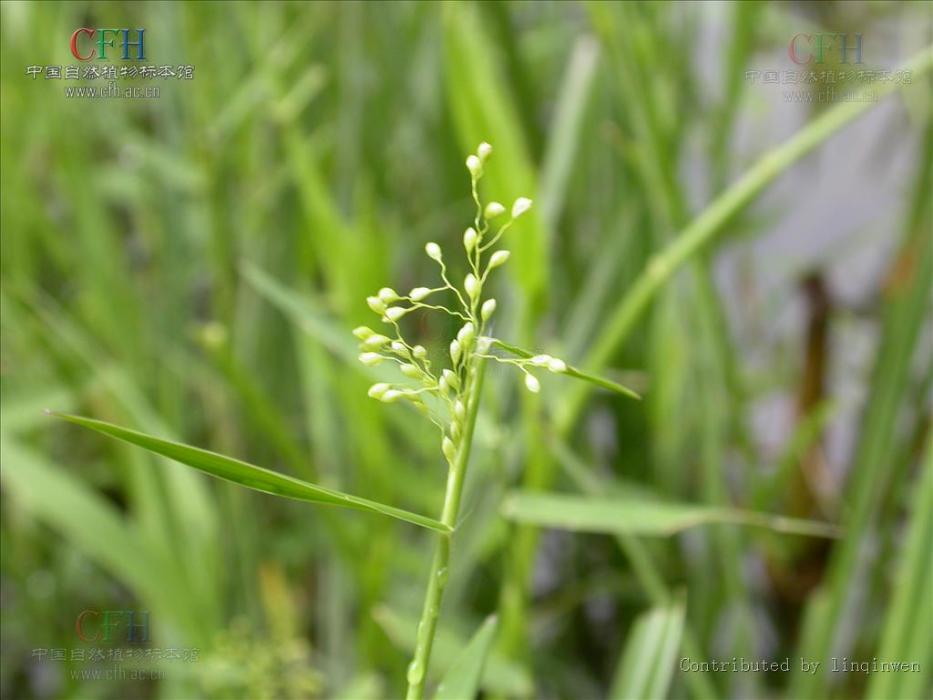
[(451, 385)]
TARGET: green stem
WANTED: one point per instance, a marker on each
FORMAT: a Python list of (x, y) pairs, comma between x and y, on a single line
[(417, 669)]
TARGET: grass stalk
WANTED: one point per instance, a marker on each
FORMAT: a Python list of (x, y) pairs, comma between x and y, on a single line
[(440, 565)]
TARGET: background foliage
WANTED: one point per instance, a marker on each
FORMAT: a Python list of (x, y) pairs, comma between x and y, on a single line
[(192, 265)]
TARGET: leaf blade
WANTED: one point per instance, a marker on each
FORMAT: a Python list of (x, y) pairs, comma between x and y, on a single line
[(647, 663), (249, 475), (461, 681), (639, 516)]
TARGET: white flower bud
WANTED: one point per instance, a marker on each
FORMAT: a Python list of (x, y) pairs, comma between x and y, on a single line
[(455, 430), (488, 309), (375, 303), (377, 390), (469, 239), (450, 379), (419, 293), (484, 150), (475, 166), (409, 370), (388, 295), (534, 386), (433, 250), (394, 313), (483, 344), (498, 258), (557, 365), (493, 209), (471, 285), (419, 352), (459, 409), (455, 351), (442, 385), (399, 348), (371, 359), (540, 360), (391, 396), (374, 342), (363, 332), (521, 205), (449, 450), (465, 334)]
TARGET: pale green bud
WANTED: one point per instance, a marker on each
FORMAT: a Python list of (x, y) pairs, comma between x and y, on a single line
[(388, 295), (556, 365), (450, 379), (471, 285), (442, 385), (484, 150), (377, 390), (498, 258), (483, 344), (475, 166), (459, 409), (419, 352), (455, 351), (399, 348), (376, 304), (433, 250), (374, 342), (455, 430), (488, 309), (419, 293), (394, 313), (363, 332), (540, 360), (465, 335), (391, 396), (534, 386), (494, 209), (371, 359), (521, 205), (409, 370), (469, 239), (449, 450)]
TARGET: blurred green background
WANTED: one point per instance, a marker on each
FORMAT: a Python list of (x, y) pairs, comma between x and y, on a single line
[(191, 265)]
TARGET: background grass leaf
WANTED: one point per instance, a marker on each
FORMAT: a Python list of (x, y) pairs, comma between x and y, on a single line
[(638, 516), (650, 656), (461, 682)]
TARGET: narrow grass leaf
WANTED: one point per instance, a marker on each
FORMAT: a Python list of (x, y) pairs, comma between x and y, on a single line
[(906, 635), (648, 661), (461, 682), (637, 516), (249, 475), (563, 143)]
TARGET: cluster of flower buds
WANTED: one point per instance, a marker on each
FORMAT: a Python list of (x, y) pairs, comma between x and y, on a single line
[(452, 385)]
